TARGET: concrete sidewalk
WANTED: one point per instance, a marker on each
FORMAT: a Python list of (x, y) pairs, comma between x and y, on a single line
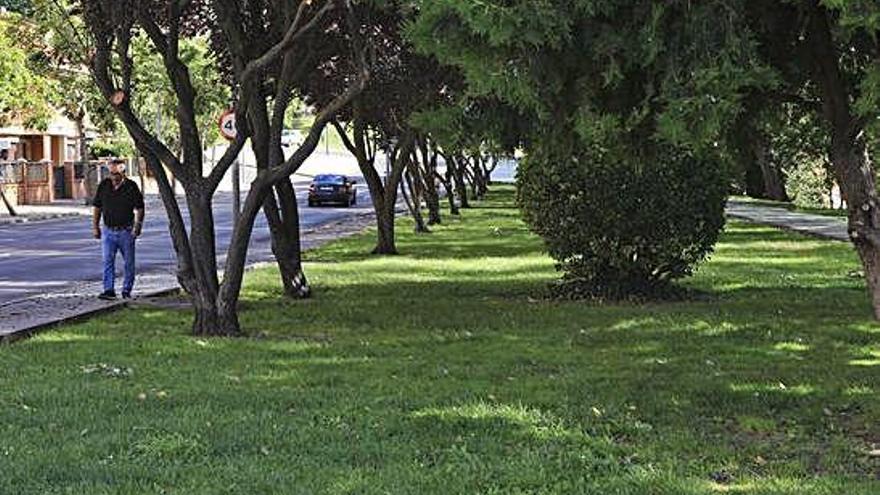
[(34, 213), (21, 318), (821, 226)]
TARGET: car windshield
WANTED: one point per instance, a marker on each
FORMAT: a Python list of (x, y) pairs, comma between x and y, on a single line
[(329, 179)]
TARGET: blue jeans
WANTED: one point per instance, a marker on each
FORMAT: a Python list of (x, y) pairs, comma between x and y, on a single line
[(113, 241)]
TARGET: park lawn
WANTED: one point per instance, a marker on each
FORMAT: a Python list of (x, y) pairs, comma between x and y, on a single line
[(444, 371)]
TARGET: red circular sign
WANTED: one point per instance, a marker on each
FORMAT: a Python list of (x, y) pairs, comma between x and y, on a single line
[(227, 125)]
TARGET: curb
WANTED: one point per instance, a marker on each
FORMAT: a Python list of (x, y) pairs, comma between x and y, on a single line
[(37, 218)]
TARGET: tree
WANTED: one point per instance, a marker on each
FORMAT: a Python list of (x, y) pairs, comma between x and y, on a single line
[(595, 88), (24, 94), (379, 118), (835, 50), (20, 6), (265, 46), (822, 56), (49, 34), (156, 100)]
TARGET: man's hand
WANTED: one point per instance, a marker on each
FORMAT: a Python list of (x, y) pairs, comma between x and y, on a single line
[(136, 230), (96, 231)]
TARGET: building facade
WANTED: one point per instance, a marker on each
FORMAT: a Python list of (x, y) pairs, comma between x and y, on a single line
[(42, 166)]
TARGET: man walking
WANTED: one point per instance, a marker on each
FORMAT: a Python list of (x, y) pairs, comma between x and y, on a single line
[(121, 203)]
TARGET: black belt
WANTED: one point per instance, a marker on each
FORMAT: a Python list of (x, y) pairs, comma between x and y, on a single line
[(125, 227)]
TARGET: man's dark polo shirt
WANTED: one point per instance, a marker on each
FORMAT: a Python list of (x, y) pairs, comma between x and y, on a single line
[(118, 205)]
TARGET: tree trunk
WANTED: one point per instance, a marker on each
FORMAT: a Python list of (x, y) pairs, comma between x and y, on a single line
[(90, 176), (432, 199), (283, 218), (450, 193), (414, 203), (853, 168), (6, 203), (774, 182), (457, 168), (206, 288), (849, 157), (385, 229), (428, 173)]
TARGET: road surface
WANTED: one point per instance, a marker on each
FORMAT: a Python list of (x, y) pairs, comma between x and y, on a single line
[(46, 256)]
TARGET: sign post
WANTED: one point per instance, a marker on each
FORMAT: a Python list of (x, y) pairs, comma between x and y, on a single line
[(229, 131)]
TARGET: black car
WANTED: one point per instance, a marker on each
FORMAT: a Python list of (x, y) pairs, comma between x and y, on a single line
[(330, 188)]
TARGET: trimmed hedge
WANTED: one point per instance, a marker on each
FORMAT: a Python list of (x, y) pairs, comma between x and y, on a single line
[(623, 229)]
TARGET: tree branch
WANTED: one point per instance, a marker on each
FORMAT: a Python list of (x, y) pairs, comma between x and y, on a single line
[(101, 74), (178, 73), (294, 32)]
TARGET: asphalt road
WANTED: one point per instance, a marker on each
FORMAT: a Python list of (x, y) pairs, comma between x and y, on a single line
[(44, 256)]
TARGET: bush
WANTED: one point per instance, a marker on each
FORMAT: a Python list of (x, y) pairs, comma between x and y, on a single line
[(623, 229)]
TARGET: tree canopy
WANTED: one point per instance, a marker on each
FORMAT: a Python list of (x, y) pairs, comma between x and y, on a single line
[(24, 94)]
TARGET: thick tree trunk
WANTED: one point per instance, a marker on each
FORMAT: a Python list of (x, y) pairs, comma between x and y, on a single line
[(853, 168), (385, 243), (196, 254), (386, 214), (282, 216), (849, 157), (774, 182), (206, 290)]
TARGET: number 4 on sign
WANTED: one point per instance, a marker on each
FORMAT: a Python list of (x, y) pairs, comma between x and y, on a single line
[(227, 125)]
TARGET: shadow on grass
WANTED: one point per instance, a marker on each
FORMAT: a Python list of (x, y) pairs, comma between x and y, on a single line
[(440, 371)]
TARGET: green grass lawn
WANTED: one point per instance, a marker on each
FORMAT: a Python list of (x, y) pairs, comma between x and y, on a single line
[(443, 371)]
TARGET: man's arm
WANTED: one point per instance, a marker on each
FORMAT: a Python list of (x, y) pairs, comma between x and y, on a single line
[(97, 202), (138, 222), (138, 212), (96, 222)]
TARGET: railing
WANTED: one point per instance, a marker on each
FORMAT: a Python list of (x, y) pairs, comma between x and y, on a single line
[(10, 173), (15, 172)]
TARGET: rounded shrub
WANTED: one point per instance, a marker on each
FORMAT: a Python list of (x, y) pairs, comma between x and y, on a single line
[(623, 228)]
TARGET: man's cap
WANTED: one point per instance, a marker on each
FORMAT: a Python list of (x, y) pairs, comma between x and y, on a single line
[(117, 165)]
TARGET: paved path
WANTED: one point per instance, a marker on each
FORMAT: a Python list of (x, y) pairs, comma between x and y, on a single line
[(805, 223)]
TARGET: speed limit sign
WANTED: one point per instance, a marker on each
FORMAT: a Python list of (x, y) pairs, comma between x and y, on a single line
[(227, 125)]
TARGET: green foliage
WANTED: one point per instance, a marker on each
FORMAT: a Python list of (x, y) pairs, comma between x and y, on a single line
[(20, 6), (623, 227), (112, 147), (154, 98), (615, 78), (809, 184), (24, 95), (54, 42)]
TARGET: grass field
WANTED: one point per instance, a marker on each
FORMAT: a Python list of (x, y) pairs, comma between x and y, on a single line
[(444, 371)]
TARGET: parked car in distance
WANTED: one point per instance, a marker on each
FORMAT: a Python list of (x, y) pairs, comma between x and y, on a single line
[(291, 137), (332, 188)]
